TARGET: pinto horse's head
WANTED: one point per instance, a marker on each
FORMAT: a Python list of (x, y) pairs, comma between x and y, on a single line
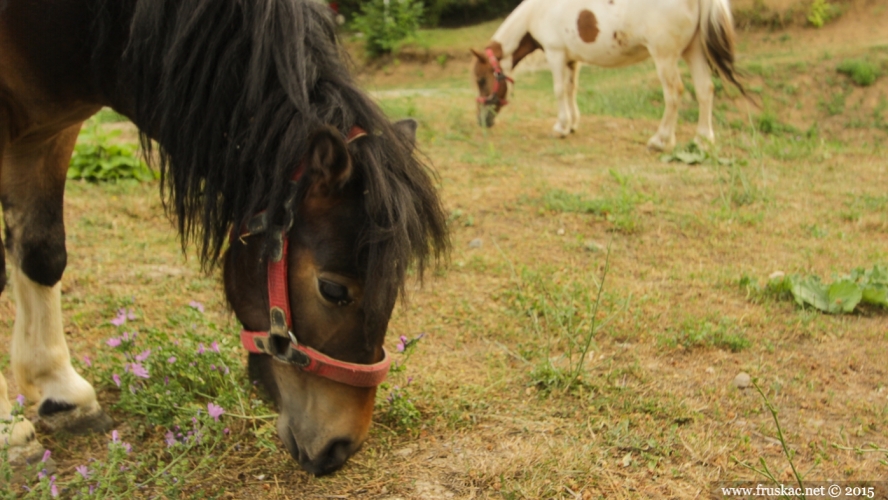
[(322, 364), (492, 85)]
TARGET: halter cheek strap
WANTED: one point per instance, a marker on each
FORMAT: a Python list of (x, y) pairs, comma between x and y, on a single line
[(498, 77), (280, 341)]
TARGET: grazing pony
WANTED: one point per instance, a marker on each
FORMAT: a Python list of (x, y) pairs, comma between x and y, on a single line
[(612, 33), (274, 165)]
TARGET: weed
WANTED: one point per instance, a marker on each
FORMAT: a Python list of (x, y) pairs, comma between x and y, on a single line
[(96, 159), (566, 315), (843, 295), (765, 471), (181, 388), (399, 411), (861, 72)]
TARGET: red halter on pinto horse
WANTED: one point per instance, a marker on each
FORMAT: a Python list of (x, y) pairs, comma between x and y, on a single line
[(273, 164)]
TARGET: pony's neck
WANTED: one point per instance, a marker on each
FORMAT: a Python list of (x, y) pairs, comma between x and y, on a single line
[(512, 42)]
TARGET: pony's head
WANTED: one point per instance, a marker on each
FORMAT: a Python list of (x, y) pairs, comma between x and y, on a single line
[(340, 298), (268, 146), (492, 84)]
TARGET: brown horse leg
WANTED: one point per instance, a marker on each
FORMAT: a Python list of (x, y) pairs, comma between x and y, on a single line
[(32, 183)]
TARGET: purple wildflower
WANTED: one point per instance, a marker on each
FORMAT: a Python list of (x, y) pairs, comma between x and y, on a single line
[(200, 348), (87, 361), (214, 346), (130, 314), (143, 355), (116, 379), (128, 447), (46, 455), (120, 319), (170, 439), (215, 411), (113, 342), (402, 343), (171, 359), (20, 399), (83, 470), (139, 370), (53, 488), (125, 337), (115, 437), (226, 431), (196, 305), (41, 475)]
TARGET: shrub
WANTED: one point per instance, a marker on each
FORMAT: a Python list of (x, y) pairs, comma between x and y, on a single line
[(863, 73), (821, 12), (387, 23)]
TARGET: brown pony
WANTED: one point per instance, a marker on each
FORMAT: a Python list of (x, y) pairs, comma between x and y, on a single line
[(273, 164)]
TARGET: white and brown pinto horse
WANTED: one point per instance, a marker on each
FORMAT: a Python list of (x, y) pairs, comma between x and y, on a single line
[(612, 33)]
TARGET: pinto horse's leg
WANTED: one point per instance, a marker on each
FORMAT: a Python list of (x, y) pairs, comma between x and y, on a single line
[(560, 78), (32, 183), (667, 70), (696, 59), (573, 82)]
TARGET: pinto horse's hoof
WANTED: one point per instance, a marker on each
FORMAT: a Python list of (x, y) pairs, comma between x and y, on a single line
[(26, 462), (56, 416)]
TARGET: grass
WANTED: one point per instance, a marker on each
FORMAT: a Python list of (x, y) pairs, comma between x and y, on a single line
[(484, 414)]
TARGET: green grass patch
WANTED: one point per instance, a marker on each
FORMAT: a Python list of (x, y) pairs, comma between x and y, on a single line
[(699, 333), (618, 209), (863, 73)]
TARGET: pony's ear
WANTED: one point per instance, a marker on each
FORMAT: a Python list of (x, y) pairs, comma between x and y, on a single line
[(407, 129), (480, 56), (329, 164)]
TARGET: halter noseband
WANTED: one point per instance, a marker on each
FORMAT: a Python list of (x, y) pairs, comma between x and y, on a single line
[(498, 78), (280, 341)]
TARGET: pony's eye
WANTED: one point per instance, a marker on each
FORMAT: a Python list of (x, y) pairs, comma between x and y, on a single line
[(334, 292), (482, 82)]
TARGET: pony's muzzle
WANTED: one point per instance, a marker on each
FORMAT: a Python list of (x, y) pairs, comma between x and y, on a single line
[(486, 116), (331, 458)]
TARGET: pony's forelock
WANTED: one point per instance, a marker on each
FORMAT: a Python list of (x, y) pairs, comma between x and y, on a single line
[(232, 91)]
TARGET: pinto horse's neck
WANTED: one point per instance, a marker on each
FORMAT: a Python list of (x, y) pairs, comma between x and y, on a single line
[(512, 42)]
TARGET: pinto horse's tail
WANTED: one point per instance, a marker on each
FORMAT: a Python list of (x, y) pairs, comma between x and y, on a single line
[(717, 35)]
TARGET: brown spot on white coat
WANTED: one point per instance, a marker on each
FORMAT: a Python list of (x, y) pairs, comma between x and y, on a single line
[(587, 26)]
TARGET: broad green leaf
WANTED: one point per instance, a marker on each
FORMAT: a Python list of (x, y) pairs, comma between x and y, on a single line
[(844, 296)]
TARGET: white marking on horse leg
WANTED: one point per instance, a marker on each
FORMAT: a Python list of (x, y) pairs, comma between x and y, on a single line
[(573, 86), (40, 359), (667, 70), (558, 65), (18, 432), (696, 59)]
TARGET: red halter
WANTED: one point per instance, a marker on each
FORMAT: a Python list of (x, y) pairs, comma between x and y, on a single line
[(301, 356), (498, 76)]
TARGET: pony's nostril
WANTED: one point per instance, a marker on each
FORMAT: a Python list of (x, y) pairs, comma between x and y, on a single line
[(330, 459)]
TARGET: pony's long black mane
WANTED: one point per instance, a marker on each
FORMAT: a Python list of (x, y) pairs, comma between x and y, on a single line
[(232, 90)]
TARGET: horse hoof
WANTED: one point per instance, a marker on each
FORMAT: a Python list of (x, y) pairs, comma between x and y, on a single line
[(26, 462), (655, 144), (76, 420)]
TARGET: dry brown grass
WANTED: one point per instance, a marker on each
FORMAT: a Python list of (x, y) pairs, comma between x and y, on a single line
[(653, 419)]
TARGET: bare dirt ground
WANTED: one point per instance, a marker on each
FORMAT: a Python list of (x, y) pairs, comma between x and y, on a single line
[(658, 414)]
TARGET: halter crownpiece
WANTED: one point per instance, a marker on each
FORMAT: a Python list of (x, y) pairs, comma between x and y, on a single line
[(498, 76), (280, 341)]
